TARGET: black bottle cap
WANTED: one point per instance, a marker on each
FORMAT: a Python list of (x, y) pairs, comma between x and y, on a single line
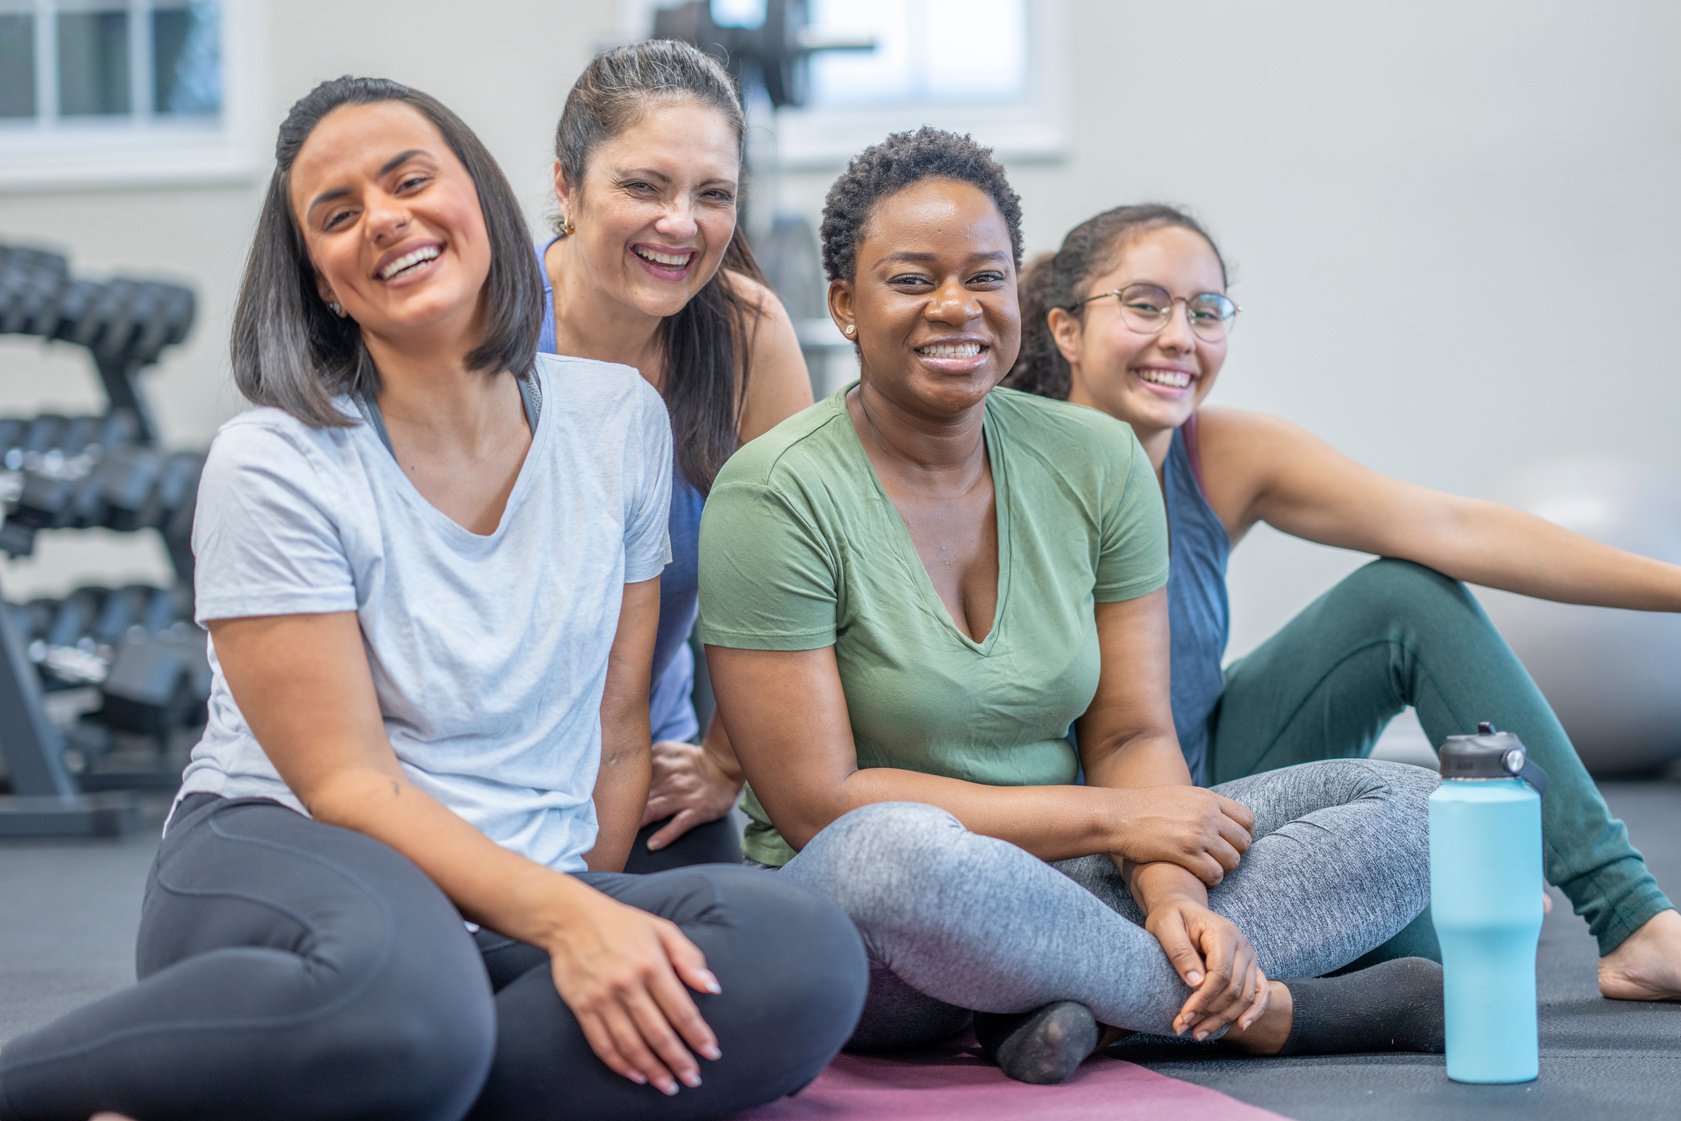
[(1490, 754)]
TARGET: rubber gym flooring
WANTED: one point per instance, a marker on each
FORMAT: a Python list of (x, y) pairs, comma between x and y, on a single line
[(68, 911)]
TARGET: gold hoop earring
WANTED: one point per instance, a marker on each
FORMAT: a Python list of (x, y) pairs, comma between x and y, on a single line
[(567, 229)]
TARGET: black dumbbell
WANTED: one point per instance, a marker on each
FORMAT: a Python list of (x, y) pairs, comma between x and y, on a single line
[(45, 501), (118, 322), (168, 607), (177, 487), (32, 619), (125, 607), (12, 429), (75, 615), (44, 433), (81, 433), (127, 478), (157, 682), (169, 326), (76, 302)]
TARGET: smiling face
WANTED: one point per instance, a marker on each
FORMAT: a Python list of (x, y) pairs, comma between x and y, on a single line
[(1153, 382), (392, 223), (933, 298), (656, 209)]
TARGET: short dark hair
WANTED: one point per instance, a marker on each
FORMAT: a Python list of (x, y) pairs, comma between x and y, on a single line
[(904, 159), (1058, 280), (289, 350), (706, 342)]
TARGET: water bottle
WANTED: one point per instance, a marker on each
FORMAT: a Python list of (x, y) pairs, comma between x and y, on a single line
[(1485, 897)]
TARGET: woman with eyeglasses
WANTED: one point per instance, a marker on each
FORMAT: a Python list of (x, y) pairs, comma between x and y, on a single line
[(1130, 316), (914, 589)]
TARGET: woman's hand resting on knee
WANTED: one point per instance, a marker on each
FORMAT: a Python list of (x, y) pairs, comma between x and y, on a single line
[(1215, 959), (623, 973), (1201, 831)]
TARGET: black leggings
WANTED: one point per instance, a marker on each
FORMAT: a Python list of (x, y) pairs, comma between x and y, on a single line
[(295, 970)]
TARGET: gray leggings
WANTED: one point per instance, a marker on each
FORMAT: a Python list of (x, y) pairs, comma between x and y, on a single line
[(955, 921)]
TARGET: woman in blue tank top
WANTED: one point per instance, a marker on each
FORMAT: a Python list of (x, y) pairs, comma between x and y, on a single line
[(648, 268), (1101, 327)]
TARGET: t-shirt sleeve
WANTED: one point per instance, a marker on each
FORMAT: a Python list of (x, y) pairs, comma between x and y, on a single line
[(768, 577), (1132, 556), (264, 536), (647, 467)]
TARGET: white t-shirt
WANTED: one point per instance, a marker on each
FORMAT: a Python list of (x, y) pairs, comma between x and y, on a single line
[(489, 654)]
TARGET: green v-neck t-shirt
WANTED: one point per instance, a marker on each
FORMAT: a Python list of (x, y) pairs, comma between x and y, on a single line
[(800, 548)]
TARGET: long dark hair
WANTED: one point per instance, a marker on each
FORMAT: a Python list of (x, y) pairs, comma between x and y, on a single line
[(1058, 280), (289, 351), (706, 344)]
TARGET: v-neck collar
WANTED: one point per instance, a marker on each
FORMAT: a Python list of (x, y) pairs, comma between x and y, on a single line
[(529, 401), (907, 555)]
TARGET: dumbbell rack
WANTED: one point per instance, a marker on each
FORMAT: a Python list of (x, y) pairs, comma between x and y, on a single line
[(124, 325)]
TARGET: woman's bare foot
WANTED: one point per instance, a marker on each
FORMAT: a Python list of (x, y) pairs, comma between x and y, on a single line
[(1647, 966)]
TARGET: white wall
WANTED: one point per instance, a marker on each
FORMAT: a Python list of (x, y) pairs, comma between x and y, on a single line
[(1443, 218), (1443, 221)]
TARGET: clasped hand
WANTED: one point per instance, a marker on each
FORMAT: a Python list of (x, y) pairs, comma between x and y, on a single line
[(688, 786), (1203, 832), (623, 973), (1215, 959)]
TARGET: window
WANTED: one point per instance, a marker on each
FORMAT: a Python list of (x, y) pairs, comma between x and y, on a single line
[(106, 92), (997, 69)]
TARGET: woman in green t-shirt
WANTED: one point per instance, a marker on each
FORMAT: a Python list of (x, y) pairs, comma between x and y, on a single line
[(911, 592)]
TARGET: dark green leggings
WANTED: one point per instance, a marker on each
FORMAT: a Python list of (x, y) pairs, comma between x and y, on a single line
[(1393, 635)]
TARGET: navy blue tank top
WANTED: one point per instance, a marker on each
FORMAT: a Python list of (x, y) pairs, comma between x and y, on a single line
[(1198, 611), (671, 708)]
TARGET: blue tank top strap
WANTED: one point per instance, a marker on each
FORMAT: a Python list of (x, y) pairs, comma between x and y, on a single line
[(1198, 611)]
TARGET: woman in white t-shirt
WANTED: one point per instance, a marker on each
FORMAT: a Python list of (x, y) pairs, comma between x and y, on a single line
[(429, 567)]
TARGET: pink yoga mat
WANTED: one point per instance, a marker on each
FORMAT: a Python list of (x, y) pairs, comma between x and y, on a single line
[(957, 1084)]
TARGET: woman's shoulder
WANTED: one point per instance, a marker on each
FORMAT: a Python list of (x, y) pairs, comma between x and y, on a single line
[(585, 384), (754, 293), (1053, 426), (269, 436), (806, 443)]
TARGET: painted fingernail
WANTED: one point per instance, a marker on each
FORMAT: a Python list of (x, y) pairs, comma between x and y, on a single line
[(669, 1089), (711, 1051), (1200, 1036), (1193, 978), (710, 982), (639, 1078)]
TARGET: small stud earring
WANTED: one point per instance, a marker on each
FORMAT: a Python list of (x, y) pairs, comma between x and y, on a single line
[(850, 329), (567, 229), (337, 309)]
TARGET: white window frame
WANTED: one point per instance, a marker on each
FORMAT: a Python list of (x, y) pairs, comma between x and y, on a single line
[(1036, 127), (105, 153)]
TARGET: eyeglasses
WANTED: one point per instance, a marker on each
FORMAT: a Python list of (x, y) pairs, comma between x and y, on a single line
[(1146, 308)]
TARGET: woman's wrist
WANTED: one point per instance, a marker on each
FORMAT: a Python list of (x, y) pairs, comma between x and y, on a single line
[(544, 906)]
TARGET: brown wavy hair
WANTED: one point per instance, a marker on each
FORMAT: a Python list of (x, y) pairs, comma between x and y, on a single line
[(1058, 280)]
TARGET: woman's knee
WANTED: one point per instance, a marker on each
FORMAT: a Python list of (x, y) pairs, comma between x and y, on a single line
[(875, 859), (1390, 592)]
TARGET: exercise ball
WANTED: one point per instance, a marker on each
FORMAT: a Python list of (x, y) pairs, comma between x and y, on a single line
[(1613, 676)]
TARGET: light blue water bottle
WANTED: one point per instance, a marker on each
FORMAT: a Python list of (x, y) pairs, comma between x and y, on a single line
[(1485, 897)]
